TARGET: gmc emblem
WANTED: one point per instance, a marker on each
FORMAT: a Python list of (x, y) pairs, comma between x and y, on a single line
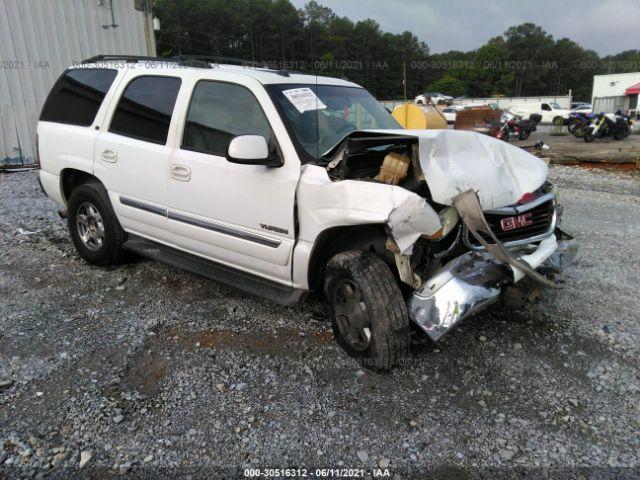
[(511, 223)]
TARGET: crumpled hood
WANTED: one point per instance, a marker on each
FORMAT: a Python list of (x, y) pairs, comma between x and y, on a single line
[(454, 161)]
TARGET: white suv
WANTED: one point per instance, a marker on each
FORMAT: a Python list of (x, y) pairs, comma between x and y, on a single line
[(280, 183)]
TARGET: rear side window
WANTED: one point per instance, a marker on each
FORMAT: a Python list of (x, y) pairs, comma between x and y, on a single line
[(144, 111), (76, 97), (219, 112)]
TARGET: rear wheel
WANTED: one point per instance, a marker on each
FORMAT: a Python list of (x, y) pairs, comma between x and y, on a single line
[(93, 226), (589, 137), (622, 132), (524, 134), (368, 313)]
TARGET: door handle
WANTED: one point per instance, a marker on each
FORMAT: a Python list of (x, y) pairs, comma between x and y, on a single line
[(109, 155), (180, 172)]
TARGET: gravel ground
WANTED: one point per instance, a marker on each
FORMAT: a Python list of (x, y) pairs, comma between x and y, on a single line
[(148, 371)]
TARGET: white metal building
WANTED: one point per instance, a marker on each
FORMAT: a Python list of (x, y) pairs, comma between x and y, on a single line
[(40, 38), (615, 92)]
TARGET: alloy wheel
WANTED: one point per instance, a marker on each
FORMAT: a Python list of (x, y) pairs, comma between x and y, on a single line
[(90, 226)]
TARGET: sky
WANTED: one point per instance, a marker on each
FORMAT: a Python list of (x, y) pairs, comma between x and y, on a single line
[(606, 26)]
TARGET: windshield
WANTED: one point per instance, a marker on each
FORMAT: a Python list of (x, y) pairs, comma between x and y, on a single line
[(555, 106), (319, 116)]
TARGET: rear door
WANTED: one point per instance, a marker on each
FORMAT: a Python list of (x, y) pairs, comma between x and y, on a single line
[(131, 155), (241, 215), (70, 119)]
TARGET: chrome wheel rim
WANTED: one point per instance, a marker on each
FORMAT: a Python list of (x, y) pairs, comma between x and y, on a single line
[(351, 315), (90, 226)]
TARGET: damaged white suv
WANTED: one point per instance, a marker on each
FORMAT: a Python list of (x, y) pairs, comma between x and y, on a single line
[(280, 183)]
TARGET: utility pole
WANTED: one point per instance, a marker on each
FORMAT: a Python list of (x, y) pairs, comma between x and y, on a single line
[(404, 79)]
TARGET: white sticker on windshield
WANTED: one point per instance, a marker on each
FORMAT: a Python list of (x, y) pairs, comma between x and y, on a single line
[(304, 99)]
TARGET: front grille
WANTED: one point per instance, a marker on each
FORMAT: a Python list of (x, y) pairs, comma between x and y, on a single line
[(541, 223)]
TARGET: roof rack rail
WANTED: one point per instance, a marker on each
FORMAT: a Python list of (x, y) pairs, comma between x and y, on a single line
[(183, 60), (127, 58), (196, 61)]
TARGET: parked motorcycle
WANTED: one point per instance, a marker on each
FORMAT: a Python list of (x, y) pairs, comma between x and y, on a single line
[(616, 125), (515, 126), (577, 123)]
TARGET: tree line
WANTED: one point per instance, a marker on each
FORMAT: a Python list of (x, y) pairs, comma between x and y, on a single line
[(525, 60)]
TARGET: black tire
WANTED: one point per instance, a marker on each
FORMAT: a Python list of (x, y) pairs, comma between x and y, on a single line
[(110, 252), (622, 132), (589, 137), (384, 308), (524, 134), (558, 121), (579, 131)]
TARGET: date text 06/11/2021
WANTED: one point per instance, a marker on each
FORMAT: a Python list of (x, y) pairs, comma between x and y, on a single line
[(316, 473)]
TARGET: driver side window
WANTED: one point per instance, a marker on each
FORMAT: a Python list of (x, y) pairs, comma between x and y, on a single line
[(546, 107), (218, 112)]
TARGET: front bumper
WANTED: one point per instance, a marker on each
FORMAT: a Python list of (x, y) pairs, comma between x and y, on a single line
[(477, 279)]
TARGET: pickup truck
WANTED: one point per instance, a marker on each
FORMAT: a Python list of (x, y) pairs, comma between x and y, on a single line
[(280, 183)]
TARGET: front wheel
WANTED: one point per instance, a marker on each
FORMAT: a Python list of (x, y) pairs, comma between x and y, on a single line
[(368, 313), (579, 131), (93, 226)]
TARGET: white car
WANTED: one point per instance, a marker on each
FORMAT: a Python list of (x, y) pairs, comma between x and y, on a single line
[(435, 97), (585, 109), (450, 113), (550, 112), (280, 183)]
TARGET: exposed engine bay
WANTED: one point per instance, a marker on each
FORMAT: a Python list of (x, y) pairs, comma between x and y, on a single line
[(480, 216), (395, 159)]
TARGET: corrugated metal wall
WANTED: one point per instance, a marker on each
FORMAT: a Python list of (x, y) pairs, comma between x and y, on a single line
[(611, 104), (39, 39)]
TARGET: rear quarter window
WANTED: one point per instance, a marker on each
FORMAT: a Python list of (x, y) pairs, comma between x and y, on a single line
[(145, 108), (77, 95)]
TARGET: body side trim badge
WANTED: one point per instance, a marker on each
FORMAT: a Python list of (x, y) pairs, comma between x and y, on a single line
[(147, 207), (216, 227)]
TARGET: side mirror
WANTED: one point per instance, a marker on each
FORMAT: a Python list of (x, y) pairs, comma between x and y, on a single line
[(252, 150)]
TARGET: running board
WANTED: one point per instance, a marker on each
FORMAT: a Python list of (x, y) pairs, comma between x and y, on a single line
[(210, 270)]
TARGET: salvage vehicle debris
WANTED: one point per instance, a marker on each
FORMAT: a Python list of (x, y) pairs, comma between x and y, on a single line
[(280, 183)]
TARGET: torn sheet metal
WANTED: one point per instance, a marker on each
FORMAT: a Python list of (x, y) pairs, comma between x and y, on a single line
[(411, 219), (537, 257), (470, 211), (470, 283), (462, 287), (454, 161), (353, 202)]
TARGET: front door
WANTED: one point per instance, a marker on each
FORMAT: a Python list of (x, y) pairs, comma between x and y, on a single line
[(240, 215)]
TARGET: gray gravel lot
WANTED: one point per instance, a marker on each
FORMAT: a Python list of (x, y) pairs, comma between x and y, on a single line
[(148, 371)]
